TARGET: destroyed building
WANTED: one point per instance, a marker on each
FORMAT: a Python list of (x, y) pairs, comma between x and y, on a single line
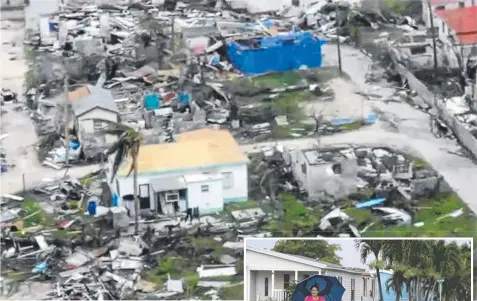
[(203, 168), (323, 172)]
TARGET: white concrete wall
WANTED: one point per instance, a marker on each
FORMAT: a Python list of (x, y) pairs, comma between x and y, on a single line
[(238, 192), (86, 123), (211, 201)]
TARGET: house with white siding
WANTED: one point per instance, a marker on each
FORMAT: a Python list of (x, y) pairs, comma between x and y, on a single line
[(204, 168), (269, 273)]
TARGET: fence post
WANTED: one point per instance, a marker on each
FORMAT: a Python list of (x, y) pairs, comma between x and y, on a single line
[(23, 180)]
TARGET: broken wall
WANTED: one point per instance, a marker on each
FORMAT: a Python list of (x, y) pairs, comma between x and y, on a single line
[(464, 136)]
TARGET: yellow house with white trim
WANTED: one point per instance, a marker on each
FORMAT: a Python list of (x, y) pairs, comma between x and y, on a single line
[(204, 168)]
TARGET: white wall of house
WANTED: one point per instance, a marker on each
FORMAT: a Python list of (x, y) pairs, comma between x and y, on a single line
[(347, 278), (207, 195), (86, 124)]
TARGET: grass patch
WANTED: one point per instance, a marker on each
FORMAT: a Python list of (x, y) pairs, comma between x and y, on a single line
[(220, 278), (360, 215), (203, 245), (277, 79), (288, 104), (353, 126), (296, 217), (281, 132), (177, 267), (445, 203), (241, 206), (233, 292)]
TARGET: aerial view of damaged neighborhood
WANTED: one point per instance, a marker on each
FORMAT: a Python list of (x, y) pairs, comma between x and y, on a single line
[(143, 140)]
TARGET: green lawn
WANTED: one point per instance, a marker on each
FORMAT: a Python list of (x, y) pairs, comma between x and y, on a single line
[(234, 292)]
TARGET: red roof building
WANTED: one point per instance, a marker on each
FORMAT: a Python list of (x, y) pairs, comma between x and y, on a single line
[(462, 22)]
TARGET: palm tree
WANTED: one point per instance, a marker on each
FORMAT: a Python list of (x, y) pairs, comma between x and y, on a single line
[(367, 247), (125, 148), (398, 280)]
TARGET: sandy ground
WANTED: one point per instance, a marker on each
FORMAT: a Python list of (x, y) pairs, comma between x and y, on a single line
[(345, 105), (21, 140)]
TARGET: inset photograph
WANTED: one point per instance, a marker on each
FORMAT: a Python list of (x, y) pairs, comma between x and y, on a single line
[(346, 269)]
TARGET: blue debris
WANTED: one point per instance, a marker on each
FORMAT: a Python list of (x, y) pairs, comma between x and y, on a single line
[(92, 208), (342, 121), (184, 98), (40, 268), (115, 200), (278, 53), (370, 203), (152, 102), (74, 145), (371, 118)]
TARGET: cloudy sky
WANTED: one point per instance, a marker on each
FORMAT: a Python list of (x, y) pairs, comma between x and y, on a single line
[(349, 255)]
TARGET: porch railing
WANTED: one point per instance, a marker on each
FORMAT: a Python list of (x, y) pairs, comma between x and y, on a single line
[(280, 295)]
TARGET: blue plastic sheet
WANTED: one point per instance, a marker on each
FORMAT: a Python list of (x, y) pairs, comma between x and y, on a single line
[(279, 53), (92, 208), (152, 102), (41, 267), (342, 121), (184, 98), (370, 203), (74, 145), (115, 200), (371, 118)]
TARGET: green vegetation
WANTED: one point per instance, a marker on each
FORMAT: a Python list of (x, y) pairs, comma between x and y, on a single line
[(177, 267), (207, 245), (241, 205), (233, 292), (288, 104), (417, 264), (353, 126), (277, 79), (296, 217), (444, 203), (38, 215), (361, 215), (310, 248)]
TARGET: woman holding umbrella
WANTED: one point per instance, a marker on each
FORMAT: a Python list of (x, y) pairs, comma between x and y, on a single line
[(315, 290)]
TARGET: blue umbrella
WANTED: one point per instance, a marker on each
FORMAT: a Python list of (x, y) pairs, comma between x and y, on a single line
[(330, 288)]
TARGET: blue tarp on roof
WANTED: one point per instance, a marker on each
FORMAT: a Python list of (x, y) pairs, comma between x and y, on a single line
[(278, 53)]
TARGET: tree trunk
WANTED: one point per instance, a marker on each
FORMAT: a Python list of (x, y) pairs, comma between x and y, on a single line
[(136, 202), (381, 297)]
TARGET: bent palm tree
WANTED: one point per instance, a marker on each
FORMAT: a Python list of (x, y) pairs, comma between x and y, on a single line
[(127, 146)]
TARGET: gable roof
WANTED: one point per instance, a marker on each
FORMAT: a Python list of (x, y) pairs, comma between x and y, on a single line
[(192, 150), (463, 21), (88, 97), (306, 260)]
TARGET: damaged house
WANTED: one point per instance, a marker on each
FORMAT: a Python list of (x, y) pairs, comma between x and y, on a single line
[(270, 273), (323, 172), (204, 168), (458, 31), (88, 105), (278, 53)]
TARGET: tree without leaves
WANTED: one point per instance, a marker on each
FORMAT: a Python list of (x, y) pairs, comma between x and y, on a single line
[(316, 249)]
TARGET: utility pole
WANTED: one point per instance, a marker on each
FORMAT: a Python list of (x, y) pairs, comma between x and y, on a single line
[(67, 134), (338, 38), (431, 18)]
